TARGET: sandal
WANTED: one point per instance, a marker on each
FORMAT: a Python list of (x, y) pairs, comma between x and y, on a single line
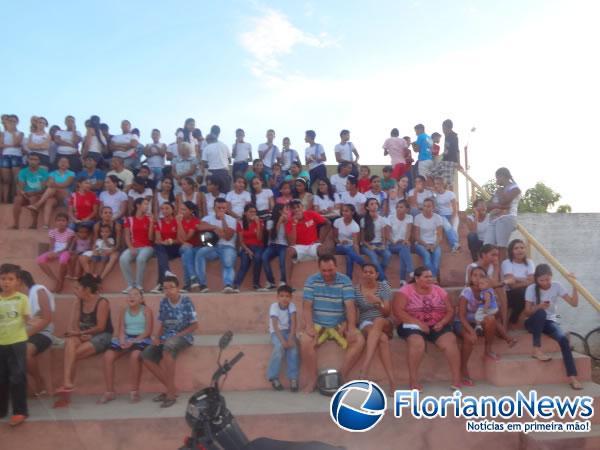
[(576, 385), (160, 398), (168, 402), (542, 357), (106, 397), (466, 381), (276, 384), (134, 396)]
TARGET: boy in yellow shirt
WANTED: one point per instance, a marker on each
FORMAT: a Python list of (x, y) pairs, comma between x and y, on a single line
[(14, 314)]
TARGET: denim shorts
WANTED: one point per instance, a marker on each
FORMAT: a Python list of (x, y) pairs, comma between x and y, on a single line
[(101, 341), (11, 162), (432, 336), (173, 345)]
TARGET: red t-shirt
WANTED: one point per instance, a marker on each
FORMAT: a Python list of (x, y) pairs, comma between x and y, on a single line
[(139, 227), (249, 235), (83, 204), (190, 224), (306, 230), (167, 230), (364, 184)]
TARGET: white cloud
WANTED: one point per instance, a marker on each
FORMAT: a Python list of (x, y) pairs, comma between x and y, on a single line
[(273, 36)]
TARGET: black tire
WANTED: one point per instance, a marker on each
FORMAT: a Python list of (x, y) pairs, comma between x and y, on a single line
[(578, 343), (592, 342)]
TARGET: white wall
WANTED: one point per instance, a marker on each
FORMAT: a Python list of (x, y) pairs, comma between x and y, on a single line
[(574, 239)]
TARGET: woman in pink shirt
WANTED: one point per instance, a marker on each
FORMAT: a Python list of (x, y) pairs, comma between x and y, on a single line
[(425, 312)]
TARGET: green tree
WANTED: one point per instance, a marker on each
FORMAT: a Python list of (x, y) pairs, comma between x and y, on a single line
[(564, 209), (538, 199)]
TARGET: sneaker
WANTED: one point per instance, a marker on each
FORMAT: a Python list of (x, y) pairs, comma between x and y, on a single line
[(158, 289), (294, 385), (281, 283), (236, 290), (17, 419), (127, 290), (228, 290), (479, 330), (269, 286), (194, 284), (203, 289), (185, 289), (276, 384), (456, 248)]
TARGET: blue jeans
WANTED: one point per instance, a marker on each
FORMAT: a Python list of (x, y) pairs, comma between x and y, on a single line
[(406, 263), (537, 324), (291, 356), (271, 252), (225, 253), (164, 253), (474, 245), (351, 257), (430, 260), (245, 262), (374, 256), (143, 254), (188, 258), (449, 230), (239, 169), (157, 172)]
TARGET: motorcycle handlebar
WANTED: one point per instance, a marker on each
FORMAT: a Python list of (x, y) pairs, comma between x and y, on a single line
[(226, 367)]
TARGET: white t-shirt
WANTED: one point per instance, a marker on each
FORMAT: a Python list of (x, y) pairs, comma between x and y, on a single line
[(113, 201), (284, 316), (211, 219), (421, 196), (210, 201), (517, 270), (262, 200), (443, 203), (471, 266), (147, 193), (8, 140), (39, 139), (378, 225), (288, 157), (514, 205), (345, 150), (399, 227), (339, 183), (280, 238), (126, 176), (216, 155), (481, 226), (192, 141), (96, 144), (428, 227), (270, 156), (66, 136), (358, 200), (238, 201), (552, 295), (380, 196), (242, 151), (156, 161), (34, 305), (315, 150), (125, 139), (345, 232), (322, 204)]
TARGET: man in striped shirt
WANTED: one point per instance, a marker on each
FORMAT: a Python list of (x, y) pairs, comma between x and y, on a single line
[(329, 303)]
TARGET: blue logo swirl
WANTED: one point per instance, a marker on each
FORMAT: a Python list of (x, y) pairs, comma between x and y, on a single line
[(358, 406)]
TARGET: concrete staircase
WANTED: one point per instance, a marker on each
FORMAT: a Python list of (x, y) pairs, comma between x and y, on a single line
[(260, 410)]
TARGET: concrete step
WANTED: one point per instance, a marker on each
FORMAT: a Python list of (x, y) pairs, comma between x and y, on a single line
[(196, 365), (562, 441)]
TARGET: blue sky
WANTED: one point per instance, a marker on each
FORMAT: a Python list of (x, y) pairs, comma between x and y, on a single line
[(522, 72)]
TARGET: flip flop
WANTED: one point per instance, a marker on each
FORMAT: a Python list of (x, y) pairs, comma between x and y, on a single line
[(466, 381), (545, 358), (577, 386)]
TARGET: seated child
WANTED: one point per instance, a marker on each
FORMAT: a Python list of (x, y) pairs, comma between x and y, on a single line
[(487, 305), (81, 244), (94, 261), (60, 240), (364, 180), (282, 326)]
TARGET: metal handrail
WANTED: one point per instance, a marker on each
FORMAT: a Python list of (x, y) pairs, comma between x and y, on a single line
[(540, 248)]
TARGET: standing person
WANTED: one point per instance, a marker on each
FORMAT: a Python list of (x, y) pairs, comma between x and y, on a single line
[(303, 236), (278, 245), (89, 333), (269, 153), (542, 297), (477, 224), (503, 208), (95, 144), (373, 301), (517, 273), (31, 184), (178, 321), (132, 336), (14, 315), (68, 144), (352, 196), (11, 159), (215, 158), (338, 180), (224, 227), (238, 198), (346, 234), (399, 153), (166, 243), (124, 146), (139, 235), (283, 323), (375, 237), (344, 152), (422, 146), (315, 158), (447, 207), (401, 223), (155, 155), (426, 313), (450, 158), (250, 230), (329, 309), (428, 228), (288, 156), (241, 152), (435, 148), (39, 329), (39, 140)]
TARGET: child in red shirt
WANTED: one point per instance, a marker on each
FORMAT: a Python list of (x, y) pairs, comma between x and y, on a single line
[(83, 205), (250, 232), (364, 181)]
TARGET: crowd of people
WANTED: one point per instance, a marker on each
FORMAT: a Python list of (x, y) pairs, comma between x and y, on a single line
[(128, 202)]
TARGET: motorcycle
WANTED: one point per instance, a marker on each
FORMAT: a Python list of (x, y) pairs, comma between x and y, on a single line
[(214, 427)]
